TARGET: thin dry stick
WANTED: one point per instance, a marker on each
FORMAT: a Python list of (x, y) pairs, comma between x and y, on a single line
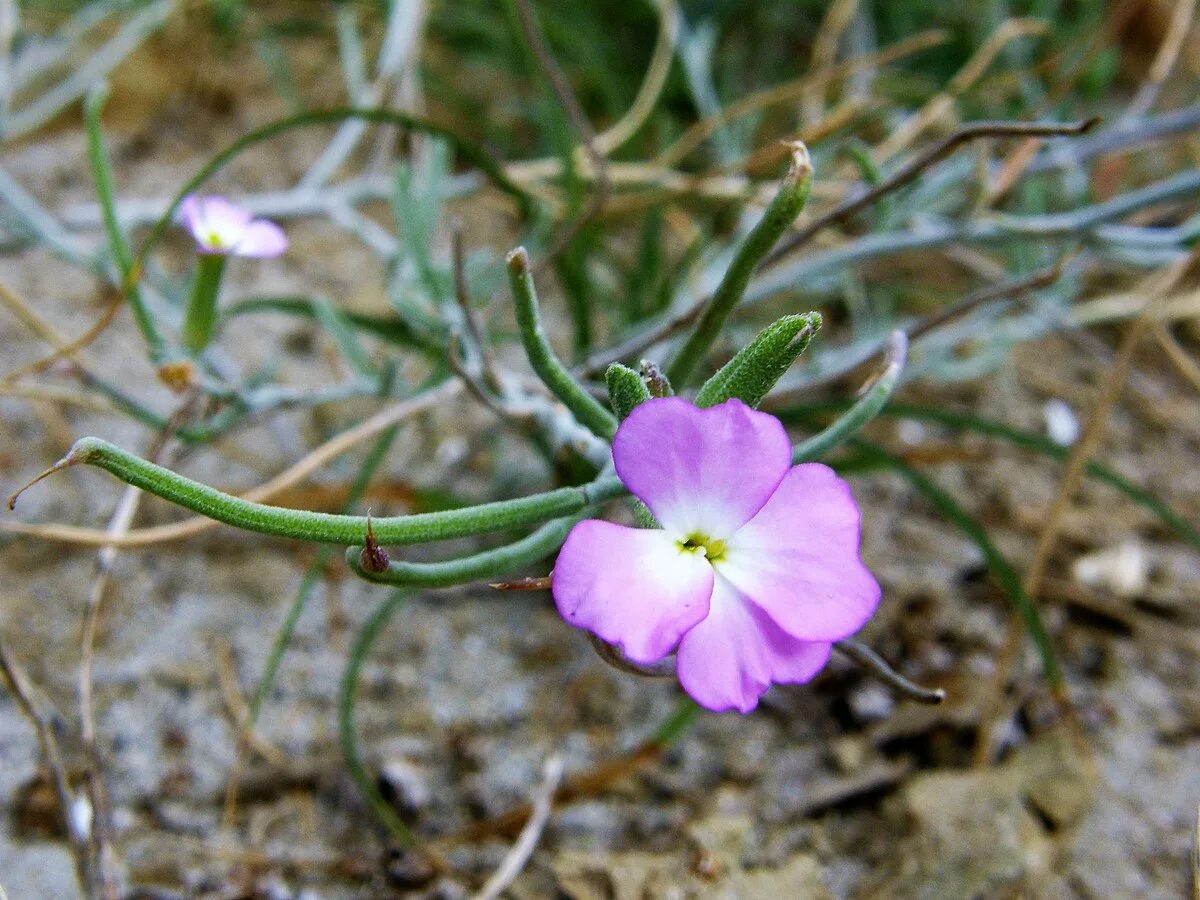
[(43, 726), (104, 876), (790, 90), (72, 347), (57, 394), (298, 471), (1184, 364), (518, 856), (1165, 59), (939, 105), (824, 55), (27, 316), (579, 123), (239, 710), (1073, 472), (911, 170)]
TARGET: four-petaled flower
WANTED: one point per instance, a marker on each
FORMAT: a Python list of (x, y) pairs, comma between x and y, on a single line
[(754, 573), (221, 228)]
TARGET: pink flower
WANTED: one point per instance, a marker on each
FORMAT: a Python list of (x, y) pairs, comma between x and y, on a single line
[(754, 573), (222, 228)]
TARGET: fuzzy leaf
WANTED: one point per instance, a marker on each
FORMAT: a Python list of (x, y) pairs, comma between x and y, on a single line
[(626, 389), (751, 374)]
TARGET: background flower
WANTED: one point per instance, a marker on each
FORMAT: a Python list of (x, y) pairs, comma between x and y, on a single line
[(224, 228)]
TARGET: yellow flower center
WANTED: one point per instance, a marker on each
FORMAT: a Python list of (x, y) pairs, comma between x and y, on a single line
[(711, 549)]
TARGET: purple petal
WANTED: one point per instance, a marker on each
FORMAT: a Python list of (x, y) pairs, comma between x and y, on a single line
[(703, 471), (189, 212), (216, 224), (632, 587), (261, 239), (730, 659), (798, 557)]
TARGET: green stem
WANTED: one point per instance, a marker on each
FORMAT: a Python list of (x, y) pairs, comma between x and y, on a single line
[(347, 695), (392, 329), (780, 215), (201, 314), (311, 577), (102, 175), (583, 405), (480, 566), (677, 724), (333, 528), (868, 406)]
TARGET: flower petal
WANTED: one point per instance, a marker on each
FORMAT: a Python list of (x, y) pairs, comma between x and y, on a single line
[(261, 239), (632, 587), (703, 471), (730, 659), (215, 224), (798, 558)]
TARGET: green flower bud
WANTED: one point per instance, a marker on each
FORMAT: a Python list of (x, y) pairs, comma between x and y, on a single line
[(751, 374), (625, 389)]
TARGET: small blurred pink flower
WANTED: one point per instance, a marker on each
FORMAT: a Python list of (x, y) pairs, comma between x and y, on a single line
[(222, 228), (754, 573)]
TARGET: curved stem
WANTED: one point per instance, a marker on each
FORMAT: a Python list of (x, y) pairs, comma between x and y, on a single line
[(475, 154), (879, 667), (480, 566), (583, 405), (102, 174), (864, 410), (328, 527), (347, 691), (778, 218)]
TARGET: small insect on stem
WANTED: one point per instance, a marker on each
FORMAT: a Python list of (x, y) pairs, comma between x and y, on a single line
[(373, 558)]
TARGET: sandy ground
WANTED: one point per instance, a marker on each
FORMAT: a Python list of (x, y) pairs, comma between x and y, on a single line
[(836, 789)]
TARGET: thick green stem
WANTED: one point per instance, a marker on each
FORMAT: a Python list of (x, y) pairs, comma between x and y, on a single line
[(331, 528), (481, 566), (201, 314), (549, 368), (868, 406), (102, 175), (780, 215)]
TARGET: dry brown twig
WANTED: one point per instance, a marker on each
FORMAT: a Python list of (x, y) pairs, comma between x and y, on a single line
[(42, 720), (824, 55), (906, 174), (522, 850), (579, 124), (1156, 287), (295, 473), (103, 879)]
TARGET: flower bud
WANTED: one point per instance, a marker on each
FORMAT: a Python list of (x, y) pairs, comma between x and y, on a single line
[(751, 374)]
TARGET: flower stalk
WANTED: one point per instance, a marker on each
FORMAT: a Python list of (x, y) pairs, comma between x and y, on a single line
[(331, 528), (780, 215), (586, 409), (201, 313)]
